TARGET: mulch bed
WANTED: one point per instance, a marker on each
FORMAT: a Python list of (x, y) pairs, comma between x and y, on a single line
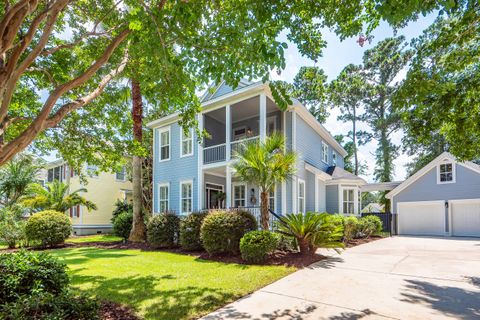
[(357, 242), (115, 311)]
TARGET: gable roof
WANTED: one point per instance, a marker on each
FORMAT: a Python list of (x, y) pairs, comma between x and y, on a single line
[(435, 162), (338, 173), (216, 90)]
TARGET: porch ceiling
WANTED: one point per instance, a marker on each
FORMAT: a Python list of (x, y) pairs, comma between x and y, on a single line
[(245, 109)]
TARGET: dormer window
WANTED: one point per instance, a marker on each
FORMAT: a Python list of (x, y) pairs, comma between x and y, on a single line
[(446, 173)]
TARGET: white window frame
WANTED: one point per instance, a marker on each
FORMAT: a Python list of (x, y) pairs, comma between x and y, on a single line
[(161, 185), (183, 139), (454, 174), (324, 152), (236, 184), (76, 213), (124, 171), (186, 182), (355, 200), (299, 197), (274, 191), (160, 131)]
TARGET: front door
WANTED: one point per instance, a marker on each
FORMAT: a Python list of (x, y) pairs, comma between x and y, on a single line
[(214, 197)]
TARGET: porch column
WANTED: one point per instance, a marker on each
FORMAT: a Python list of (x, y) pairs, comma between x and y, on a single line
[(228, 187), (317, 202), (263, 116), (228, 132), (200, 164)]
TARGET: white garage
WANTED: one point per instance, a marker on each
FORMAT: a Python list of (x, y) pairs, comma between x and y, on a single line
[(465, 217), (421, 218)]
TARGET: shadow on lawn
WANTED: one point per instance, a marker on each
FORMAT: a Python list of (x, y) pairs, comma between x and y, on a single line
[(178, 303), (82, 255)]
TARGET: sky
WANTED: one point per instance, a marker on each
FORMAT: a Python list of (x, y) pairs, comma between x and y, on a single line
[(336, 56)]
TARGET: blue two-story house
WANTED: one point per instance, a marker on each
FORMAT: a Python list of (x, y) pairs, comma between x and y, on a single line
[(191, 175)]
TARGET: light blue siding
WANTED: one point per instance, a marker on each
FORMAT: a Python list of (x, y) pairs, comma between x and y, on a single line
[(216, 130), (467, 186), (310, 191), (175, 170), (322, 204), (332, 199)]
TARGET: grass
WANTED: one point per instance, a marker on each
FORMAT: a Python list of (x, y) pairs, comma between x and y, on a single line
[(162, 285), (94, 238), (3, 245)]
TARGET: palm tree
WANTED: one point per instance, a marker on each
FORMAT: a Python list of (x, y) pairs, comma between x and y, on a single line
[(265, 163), (15, 177), (55, 196)]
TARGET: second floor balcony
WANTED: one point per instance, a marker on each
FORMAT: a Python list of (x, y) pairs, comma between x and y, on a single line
[(232, 126)]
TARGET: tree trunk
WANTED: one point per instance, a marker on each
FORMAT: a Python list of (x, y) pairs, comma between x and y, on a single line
[(354, 138), (303, 246), (264, 210), (138, 228)]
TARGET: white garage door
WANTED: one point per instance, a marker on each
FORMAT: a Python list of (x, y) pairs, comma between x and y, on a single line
[(465, 215), (421, 218)]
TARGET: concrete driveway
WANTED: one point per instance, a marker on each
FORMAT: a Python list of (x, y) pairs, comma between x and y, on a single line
[(397, 278)]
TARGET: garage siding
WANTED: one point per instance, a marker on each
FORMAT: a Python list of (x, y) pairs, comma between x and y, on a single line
[(467, 186)]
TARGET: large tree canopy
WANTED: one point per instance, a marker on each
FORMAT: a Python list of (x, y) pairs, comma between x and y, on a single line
[(439, 97), (57, 56)]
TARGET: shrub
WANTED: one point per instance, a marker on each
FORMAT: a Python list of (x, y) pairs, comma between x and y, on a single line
[(35, 286), (221, 231), (350, 228), (163, 230), (190, 231), (370, 225), (120, 207), (12, 227), (285, 243), (256, 245), (48, 227), (24, 272), (122, 224), (312, 231)]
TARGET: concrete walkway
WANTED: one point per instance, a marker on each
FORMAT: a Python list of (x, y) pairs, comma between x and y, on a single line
[(393, 278)]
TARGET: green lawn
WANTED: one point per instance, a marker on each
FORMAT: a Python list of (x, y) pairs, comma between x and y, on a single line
[(3, 245), (161, 285), (94, 238)]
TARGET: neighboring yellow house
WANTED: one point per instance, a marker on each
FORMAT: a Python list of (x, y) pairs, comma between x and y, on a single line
[(104, 189)]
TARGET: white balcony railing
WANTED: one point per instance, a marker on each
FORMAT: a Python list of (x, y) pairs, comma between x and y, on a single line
[(215, 153), (238, 145)]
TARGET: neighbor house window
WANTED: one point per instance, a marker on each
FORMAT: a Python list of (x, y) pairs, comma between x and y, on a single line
[(55, 174), (301, 196), (324, 152), (348, 201), (92, 170), (239, 195), (271, 200), (446, 173), (165, 144), (334, 158), (163, 197), (121, 175), (186, 199), (75, 212), (187, 143)]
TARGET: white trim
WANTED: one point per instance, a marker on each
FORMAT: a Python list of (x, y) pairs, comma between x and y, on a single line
[(182, 155), (446, 155), (91, 226), (228, 187), (228, 132), (355, 199), (235, 184), (244, 127), (160, 185), (322, 175), (324, 152), (454, 173), (301, 181), (201, 173), (274, 209), (160, 131), (182, 182)]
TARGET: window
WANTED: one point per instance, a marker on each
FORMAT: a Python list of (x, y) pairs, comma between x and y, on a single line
[(121, 175), (55, 173), (163, 197), (187, 143), (239, 195), (271, 200), (92, 170), (324, 152), (348, 201), (165, 144), (301, 196), (75, 212), (186, 199), (446, 173), (240, 133), (334, 158)]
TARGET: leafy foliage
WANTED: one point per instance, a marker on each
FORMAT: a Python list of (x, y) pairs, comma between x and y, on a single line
[(122, 224), (369, 225), (55, 196), (163, 230), (12, 226), (48, 227), (120, 207), (221, 231), (440, 93), (190, 227), (312, 231), (265, 164), (256, 245)]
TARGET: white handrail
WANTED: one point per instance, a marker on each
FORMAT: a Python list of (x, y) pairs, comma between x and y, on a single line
[(215, 146)]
